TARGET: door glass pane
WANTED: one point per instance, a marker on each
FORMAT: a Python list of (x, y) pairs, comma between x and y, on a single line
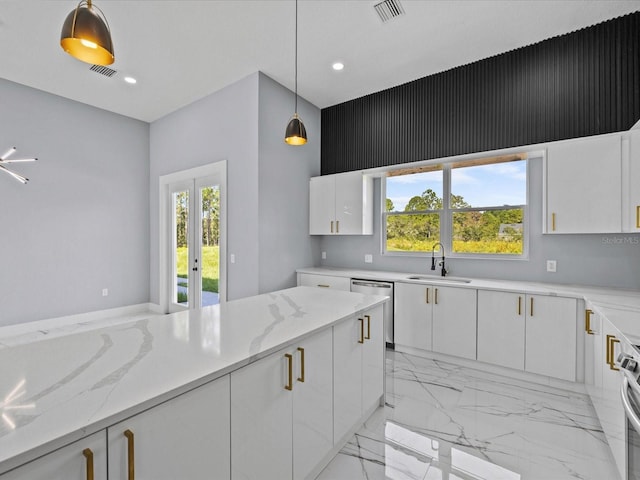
[(180, 247), (210, 244)]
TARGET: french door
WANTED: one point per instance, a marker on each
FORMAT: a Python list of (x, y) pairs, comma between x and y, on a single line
[(193, 223)]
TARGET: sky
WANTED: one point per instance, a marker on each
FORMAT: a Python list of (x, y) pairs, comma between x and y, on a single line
[(491, 185)]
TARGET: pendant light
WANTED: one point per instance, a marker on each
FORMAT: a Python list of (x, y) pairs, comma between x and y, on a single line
[(86, 35), (4, 160), (296, 134)]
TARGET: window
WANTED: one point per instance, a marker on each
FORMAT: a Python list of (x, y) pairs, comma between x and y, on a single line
[(473, 207)]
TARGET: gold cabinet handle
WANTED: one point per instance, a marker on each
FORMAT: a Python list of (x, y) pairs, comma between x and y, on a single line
[(611, 340), (427, 294), (331, 226), (368, 317), (301, 377), (531, 307), (519, 305), (131, 470), (638, 216), (337, 226), (587, 321), (324, 286), (435, 296), (553, 222), (289, 385), (88, 454), (361, 320)]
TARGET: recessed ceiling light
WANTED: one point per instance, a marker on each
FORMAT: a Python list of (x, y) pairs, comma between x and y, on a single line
[(338, 66), (130, 80)]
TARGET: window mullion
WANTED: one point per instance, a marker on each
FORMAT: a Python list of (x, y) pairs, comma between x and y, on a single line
[(446, 232)]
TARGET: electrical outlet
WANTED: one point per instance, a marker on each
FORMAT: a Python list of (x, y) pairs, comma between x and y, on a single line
[(232, 258), (551, 266), (105, 292), (324, 255), (368, 258)]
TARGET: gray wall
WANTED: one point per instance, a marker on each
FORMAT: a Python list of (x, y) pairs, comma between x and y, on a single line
[(601, 260), (266, 180), (81, 223)]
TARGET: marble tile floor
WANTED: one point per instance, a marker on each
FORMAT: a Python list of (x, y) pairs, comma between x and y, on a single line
[(442, 421)]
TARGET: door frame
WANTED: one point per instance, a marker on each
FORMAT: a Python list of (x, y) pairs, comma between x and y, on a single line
[(217, 169)]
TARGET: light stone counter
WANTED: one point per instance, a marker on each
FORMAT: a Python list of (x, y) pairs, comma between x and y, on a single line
[(56, 391), (620, 307)]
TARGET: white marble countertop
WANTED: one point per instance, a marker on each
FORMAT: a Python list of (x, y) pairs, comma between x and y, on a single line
[(59, 390), (621, 307)]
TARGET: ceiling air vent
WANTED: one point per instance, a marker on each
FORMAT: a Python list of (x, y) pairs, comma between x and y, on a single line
[(102, 70), (389, 9)]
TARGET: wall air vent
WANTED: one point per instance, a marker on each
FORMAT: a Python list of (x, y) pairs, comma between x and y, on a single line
[(389, 9), (102, 70)]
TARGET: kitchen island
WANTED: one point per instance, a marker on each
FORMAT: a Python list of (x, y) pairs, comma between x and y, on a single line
[(60, 391)]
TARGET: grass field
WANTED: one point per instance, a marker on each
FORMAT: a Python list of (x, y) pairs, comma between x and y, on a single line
[(209, 263), (486, 246)]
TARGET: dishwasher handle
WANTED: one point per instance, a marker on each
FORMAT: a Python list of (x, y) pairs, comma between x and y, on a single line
[(370, 284), (630, 412)]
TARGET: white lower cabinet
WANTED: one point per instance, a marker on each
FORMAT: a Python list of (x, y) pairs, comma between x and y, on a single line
[(534, 333), (358, 350), (71, 462), (550, 336), (442, 319), (281, 412), (186, 437)]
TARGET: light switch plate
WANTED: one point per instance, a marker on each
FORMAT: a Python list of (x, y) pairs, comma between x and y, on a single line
[(324, 255), (551, 266), (368, 258)]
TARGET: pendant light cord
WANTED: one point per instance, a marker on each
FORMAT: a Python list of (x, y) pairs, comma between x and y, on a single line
[(296, 62)]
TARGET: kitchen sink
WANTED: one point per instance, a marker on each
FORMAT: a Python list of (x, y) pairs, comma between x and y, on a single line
[(432, 278)]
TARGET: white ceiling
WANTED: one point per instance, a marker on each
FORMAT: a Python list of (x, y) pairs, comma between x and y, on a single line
[(181, 51)]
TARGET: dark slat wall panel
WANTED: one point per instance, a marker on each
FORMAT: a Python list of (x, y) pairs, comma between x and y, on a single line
[(580, 84)]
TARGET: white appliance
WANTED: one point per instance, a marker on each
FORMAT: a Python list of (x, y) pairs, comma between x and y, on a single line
[(374, 287), (630, 393)]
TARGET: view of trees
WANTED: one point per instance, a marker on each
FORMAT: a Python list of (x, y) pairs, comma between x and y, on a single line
[(210, 217), (488, 231)]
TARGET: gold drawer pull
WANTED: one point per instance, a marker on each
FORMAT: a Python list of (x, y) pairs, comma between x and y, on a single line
[(531, 307), (361, 320), (427, 294), (611, 340), (553, 222), (88, 454), (519, 305), (638, 216), (323, 286), (331, 226), (289, 385), (131, 470), (435, 296), (587, 321), (301, 377), (368, 317), (337, 226)]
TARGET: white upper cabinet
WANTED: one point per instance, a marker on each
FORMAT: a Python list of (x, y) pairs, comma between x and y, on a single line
[(631, 174), (583, 186), (341, 204)]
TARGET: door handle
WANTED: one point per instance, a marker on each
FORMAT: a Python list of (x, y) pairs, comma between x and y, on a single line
[(301, 377), (361, 320), (611, 340), (519, 305), (289, 385), (88, 454), (587, 321), (131, 470), (368, 317)]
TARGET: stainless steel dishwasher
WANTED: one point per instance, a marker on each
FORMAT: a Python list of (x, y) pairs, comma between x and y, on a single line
[(373, 287)]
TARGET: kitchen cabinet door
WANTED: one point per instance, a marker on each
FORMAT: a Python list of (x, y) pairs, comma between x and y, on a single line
[(186, 437), (68, 463), (632, 174), (347, 376), (501, 327), (583, 184), (312, 402), (593, 355), (611, 413), (413, 315), (454, 321), (261, 419), (550, 336), (322, 208), (341, 204), (373, 359), (324, 281)]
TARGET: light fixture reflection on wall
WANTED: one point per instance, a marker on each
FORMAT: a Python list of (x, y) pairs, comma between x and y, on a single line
[(86, 35), (4, 160), (296, 134)]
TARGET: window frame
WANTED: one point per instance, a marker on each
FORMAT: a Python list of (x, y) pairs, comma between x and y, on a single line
[(446, 216)]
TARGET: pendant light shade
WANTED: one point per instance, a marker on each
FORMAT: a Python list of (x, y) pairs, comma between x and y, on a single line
[(86, 35), (296, 134)]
